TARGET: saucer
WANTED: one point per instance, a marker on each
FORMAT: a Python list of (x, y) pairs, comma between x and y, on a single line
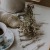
[(8, 40)]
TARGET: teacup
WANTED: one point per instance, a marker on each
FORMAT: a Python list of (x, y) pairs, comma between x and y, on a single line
[(3, 29)]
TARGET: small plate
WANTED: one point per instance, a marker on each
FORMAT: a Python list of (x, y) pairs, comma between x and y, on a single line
[(8, 40)]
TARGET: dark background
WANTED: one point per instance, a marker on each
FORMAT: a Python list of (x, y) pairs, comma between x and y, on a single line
[(42, 2)]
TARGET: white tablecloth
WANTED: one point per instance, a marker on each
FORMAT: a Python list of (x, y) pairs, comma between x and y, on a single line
[(44, 16)]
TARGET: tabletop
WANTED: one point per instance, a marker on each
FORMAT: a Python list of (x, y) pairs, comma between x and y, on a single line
[(44, 16)]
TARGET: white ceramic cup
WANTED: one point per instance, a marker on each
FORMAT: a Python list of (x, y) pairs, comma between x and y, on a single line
[(4, 28), (12, 6)]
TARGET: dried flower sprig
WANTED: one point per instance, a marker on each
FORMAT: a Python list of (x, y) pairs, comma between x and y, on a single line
[(29, 27)]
